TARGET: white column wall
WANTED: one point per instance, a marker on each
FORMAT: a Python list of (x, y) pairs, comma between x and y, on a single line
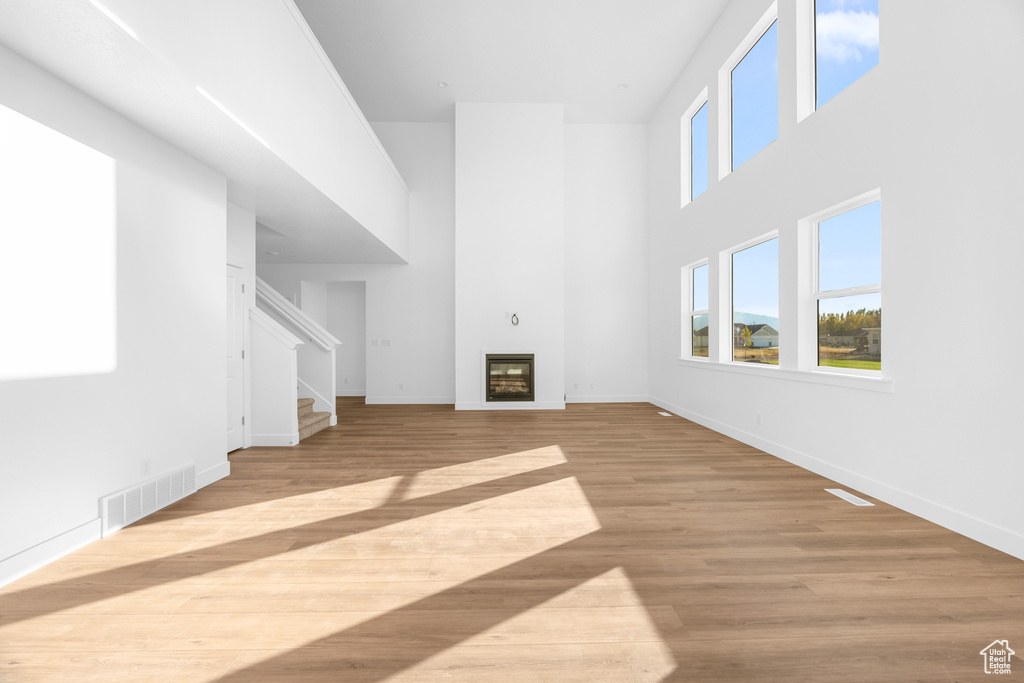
[(510, 245)]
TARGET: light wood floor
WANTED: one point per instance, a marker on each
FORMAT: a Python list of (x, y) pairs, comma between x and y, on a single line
[(602, 543)]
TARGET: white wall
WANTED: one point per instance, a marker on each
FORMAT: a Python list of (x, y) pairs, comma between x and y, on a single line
[(606, 263), (166, 398), (241, 253), (934, 129), (412, 306), (313, 300), (346, 320), (510, 245)]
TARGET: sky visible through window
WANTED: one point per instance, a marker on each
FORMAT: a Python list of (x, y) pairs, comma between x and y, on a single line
[(700, 288), (846, 43), (699, 152), (850, 249), (755, 281), (755, 98)]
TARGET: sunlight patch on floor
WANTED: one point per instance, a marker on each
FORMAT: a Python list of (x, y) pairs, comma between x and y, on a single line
[(567, 642), (443, 479)]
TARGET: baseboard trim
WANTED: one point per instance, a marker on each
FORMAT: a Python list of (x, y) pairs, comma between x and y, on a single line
[(275, 440), (351, 393), (27, 561), (607, 399), (992, 535), (410, 400), (212, 474)]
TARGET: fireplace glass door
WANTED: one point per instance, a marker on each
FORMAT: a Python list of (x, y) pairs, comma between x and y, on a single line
[(509, 377)]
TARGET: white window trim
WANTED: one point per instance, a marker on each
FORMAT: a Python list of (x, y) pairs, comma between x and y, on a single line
[(725, 303), (806, 60), (686, 329), (686, 148), (725, 87), (807, 240)]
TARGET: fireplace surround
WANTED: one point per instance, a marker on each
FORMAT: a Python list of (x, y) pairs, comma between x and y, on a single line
[(509, 377)]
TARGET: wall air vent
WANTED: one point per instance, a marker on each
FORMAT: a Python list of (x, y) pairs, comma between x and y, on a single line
[(132, 504)]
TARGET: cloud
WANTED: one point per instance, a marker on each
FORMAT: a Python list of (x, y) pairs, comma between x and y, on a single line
[(844, 35)]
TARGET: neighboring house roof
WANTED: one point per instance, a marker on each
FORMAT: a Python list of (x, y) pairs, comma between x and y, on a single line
[(760, 328), (702, 332), (765, 331)]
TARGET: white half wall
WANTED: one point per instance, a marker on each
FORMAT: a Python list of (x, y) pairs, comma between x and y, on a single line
[(346, 320), (605, 263), (509, 245), (943, 444), (68, 441)]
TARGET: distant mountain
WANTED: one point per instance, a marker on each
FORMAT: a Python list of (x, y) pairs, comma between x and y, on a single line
[(755, 319)]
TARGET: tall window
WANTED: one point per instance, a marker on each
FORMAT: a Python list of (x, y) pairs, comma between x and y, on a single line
[(696, 288), (699, 152), (845, 44), (694, 149), (849, 285), (755, 303), (755, 98)]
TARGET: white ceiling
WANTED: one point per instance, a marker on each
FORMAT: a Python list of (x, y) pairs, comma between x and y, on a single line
[(392, 53)]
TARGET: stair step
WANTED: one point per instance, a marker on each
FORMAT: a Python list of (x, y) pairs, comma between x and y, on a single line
[(305, 406), (311, 423)]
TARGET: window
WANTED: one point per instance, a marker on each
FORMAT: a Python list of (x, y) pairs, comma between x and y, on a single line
[(848, 287), (694, 149), (695, 290), (845, 44), (755, 302), (749, 83)]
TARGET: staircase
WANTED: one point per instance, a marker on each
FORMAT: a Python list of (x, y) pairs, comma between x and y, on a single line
[(309, 422)]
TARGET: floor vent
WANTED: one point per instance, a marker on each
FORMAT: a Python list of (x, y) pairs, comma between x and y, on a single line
[(664, 414), (132, 504), (850, 498)]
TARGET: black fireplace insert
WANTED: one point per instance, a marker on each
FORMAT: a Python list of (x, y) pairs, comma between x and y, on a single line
[(509, 377)]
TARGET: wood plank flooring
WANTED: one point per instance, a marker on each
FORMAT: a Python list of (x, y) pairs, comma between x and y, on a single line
[(602, 543)]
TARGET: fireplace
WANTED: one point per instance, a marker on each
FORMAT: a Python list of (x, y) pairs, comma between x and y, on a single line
[(509, 377)]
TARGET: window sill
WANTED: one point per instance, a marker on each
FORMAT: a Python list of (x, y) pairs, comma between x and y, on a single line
[(876, 384)]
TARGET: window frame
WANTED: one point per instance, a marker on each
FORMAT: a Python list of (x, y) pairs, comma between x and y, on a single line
[(725, 98), (686, 326), (811, 292), (725, 304), (807, 58), (686, 148)]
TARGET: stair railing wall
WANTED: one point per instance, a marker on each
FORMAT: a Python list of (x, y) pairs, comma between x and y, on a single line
[(316, 360)]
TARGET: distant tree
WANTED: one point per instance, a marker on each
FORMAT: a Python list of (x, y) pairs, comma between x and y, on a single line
[(746, 337)]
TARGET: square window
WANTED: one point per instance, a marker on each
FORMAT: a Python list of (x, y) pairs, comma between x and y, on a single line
[(845, 44), (755, 303)]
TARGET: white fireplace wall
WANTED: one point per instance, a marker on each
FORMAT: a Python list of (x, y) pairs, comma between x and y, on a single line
[(509, 245)]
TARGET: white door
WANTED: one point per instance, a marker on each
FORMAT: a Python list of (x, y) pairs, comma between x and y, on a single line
[(235, 339)]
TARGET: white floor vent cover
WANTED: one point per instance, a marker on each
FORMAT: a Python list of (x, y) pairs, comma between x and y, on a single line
[(665, 414), (850, 498), (132, 504)]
